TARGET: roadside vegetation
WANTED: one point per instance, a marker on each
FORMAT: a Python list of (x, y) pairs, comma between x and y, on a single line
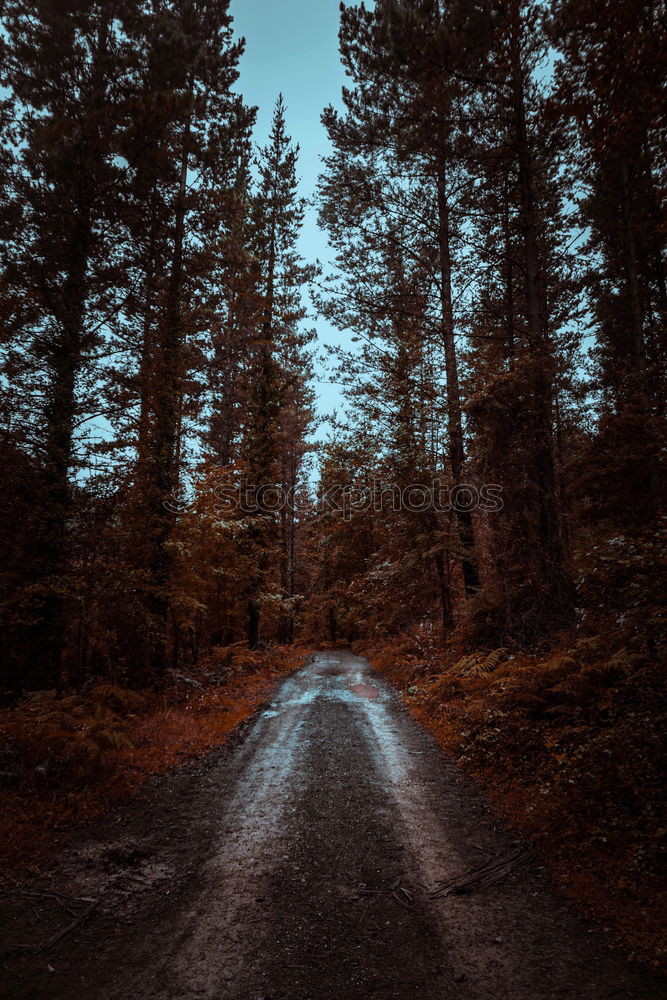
[(70, 758), (568, 740)]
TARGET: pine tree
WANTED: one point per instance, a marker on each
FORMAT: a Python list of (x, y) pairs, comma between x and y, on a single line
[(499, 47), (65, 68), (512, 157), (610, 98), (400, 122), (272, 451), (187, 142)]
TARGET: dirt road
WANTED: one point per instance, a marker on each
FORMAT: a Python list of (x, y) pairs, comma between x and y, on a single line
[(298, 863)]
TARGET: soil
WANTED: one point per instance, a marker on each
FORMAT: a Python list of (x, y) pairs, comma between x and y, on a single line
[(299, 862)]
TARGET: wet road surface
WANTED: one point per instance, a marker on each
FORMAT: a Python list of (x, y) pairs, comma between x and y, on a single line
[(299, 864)]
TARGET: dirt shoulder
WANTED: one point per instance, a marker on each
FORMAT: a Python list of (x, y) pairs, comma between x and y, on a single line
[(570, 749), (69, 760)]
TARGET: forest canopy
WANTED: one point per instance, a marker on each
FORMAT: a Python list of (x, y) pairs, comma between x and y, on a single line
[(493, 196)]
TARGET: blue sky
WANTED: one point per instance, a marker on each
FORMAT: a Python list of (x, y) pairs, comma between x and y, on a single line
[(292, 47)]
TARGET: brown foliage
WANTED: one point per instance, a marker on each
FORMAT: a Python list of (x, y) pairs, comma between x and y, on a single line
[(569, 747), (66, 759)]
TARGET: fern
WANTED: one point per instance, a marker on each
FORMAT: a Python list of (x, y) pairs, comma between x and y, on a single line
[(561, 664), (116, 699), (478, 664)]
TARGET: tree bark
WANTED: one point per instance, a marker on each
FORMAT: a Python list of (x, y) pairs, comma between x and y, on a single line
[(552, 555), (454, 417), (163, 462), (640, 398), (65, 357)]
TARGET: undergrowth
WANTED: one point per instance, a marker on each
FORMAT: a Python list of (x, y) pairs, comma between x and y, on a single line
[(68, 758), (568, 743)]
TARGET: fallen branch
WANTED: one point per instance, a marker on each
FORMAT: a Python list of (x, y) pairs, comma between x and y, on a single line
[(402, 896), (483, 875), (55, 938), (60, 898)]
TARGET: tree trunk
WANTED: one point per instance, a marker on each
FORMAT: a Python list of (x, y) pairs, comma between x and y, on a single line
[(253, 622), (65, 355), (447, 614), (454, 418), (639, 400), (552, 556), (60, 410), (163, 461)]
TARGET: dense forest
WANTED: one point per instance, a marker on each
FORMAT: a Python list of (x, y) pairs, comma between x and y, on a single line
[(493, 200), (153, 342), (484, 519)]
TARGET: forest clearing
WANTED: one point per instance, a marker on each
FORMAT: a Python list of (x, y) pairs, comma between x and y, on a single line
[(333, 535)]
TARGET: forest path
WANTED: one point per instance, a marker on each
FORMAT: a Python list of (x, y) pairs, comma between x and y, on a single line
[(298, 863)]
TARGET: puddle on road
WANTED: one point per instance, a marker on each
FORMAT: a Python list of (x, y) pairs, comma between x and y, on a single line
[(365, 690)]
